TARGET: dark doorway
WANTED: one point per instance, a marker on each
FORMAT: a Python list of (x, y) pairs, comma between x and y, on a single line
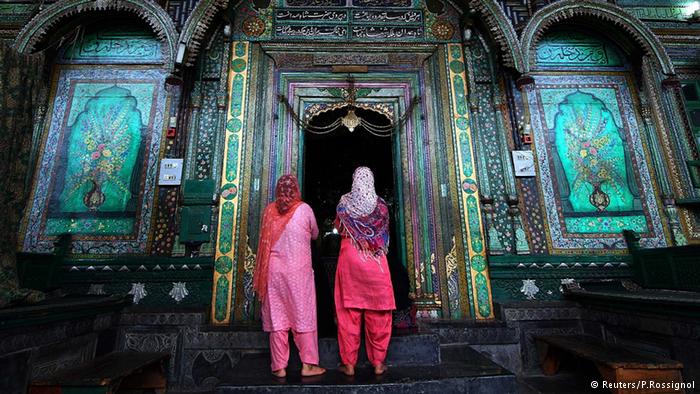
[(329, 162)]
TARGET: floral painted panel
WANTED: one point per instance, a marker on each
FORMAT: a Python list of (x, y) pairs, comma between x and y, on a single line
[(594, 177), (99, 161)]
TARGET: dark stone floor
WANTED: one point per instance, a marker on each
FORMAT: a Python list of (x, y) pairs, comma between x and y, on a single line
[(462, 370), (404, 350), (561, 383)]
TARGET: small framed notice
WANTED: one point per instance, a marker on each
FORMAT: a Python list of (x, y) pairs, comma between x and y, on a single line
[(170, 172), (523, 163)]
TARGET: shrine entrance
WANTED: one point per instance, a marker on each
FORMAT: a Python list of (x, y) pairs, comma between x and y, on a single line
[(407, 119), (330, 159)]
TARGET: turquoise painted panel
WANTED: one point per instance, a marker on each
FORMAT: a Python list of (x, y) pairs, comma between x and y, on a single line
[(592, 165), (97, 186), (103, 147), (606, 224), (592, 154), (98, 161)]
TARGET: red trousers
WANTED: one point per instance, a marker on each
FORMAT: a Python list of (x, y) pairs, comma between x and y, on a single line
[(377, 334), (307, 343)]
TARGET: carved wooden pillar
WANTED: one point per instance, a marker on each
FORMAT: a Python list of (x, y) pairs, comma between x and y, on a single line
[(685, 147), (688, 150), (221, 101), (486, 197), (521, 245), (39, 117), (662, 177), (495, 246)]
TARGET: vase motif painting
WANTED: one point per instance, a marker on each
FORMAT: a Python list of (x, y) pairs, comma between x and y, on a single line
[(102, 154), (592, 154), (99, 161), (592, 161)]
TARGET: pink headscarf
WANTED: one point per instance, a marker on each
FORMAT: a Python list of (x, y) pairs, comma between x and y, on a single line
[(275, 218)]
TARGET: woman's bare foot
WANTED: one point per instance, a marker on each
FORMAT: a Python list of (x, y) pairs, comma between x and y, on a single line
[(280, 373), (347, 369), (311, 370), (380, 369)]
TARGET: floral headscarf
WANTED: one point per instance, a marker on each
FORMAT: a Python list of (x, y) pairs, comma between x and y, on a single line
[(362, 199), (286, 193), (363, 216), (275, 218)]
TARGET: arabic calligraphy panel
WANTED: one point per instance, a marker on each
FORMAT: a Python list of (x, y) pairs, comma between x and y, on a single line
[(576, 50), (382, 3), (357, 20), (387, 32), (654, 13), (127, 44), (412, 16), (316, 3), (311, 31), (293, 15)]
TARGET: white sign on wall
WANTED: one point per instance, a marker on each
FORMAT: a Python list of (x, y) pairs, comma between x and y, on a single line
[(523, 163), (170, 172)]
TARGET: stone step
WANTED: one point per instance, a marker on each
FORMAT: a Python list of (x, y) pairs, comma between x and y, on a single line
[(469, 373), (414, 349), (404, 350), (472, 332)]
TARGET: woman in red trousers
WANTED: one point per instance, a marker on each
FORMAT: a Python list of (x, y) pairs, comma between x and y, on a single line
[(363, 288)]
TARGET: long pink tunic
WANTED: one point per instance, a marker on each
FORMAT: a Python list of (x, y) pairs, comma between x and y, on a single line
[(291, 294), (362, 283)]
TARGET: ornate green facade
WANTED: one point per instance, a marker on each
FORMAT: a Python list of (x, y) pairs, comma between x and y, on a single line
[(609, 116)]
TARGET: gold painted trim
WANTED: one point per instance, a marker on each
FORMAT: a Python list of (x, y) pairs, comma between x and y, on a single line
[(470, 253), (236, 200)]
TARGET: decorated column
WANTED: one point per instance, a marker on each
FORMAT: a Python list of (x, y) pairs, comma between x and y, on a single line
[(470, 212), (230, 190)]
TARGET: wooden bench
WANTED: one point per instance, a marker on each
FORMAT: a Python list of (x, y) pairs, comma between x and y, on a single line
[(671, 268), (110, 374), (615, 363)]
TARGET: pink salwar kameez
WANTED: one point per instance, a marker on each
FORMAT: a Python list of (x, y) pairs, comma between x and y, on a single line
[(290, 302), (363, 291)]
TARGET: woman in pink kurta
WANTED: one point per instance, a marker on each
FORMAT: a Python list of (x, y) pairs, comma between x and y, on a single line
[(363, 289), (284, 279)]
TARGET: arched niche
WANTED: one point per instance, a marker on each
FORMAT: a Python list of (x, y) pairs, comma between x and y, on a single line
[(59, 17), (595, 176), (98, 147), (604, 17), (199, 24)]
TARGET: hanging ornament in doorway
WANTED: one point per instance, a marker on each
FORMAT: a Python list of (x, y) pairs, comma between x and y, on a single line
[(350, 120)]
